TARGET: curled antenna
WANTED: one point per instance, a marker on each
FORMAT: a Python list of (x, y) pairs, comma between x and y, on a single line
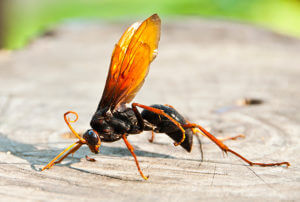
[(68, 121)]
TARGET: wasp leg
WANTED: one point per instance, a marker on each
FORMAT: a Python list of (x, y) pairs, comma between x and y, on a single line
[(161, 112), (71, 149), (152, 136), (195, 132), (89, 158), (131, 149), (231, 138), (224, 148), (200, 146)]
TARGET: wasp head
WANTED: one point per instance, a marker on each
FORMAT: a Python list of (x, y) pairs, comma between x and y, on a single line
[(92, 140)]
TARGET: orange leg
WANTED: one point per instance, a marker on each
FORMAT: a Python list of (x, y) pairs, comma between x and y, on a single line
[(152, 137), (223, 139), (89, 158), (224, 148), (231, 138), (131, 149), (161, 112), (196, 131)]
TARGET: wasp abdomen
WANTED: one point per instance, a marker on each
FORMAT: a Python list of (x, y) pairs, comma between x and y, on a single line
[(164, 125)]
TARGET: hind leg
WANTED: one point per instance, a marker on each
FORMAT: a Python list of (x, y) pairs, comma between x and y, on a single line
[(226, 149), (196, 130)]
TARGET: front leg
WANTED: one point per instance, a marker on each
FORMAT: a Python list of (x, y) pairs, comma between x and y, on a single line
[(131, 149)]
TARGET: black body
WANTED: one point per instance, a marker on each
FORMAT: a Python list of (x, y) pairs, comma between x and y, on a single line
[(164, 125), (112, 126)]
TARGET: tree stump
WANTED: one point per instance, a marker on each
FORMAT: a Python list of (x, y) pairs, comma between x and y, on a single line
[(202, 69)]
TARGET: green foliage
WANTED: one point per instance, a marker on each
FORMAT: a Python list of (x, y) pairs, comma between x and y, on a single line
[(31, 17)]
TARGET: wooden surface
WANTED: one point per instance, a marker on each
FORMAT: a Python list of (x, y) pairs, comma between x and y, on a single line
[(202, 69)]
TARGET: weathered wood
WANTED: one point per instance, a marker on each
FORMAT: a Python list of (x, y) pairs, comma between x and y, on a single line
[(202, 68)]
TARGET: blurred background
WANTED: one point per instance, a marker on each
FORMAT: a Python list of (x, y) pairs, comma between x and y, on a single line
[(23, 20)]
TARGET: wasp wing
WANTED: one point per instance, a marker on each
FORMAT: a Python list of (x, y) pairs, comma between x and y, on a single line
[(130, 62)]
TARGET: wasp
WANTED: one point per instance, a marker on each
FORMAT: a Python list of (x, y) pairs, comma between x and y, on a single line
[(114, 120)]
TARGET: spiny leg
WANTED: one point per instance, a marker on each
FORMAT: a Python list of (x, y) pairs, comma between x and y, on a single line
[(226, 149), (161, 112), (131, 149), (196, 130)]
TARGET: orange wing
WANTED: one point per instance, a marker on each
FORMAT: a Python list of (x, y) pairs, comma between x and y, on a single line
[(130, 62)]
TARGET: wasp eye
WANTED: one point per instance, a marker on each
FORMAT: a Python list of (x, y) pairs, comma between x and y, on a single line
[(91, 137)]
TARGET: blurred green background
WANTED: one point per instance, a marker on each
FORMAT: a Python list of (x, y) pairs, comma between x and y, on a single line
[(22, 20)]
